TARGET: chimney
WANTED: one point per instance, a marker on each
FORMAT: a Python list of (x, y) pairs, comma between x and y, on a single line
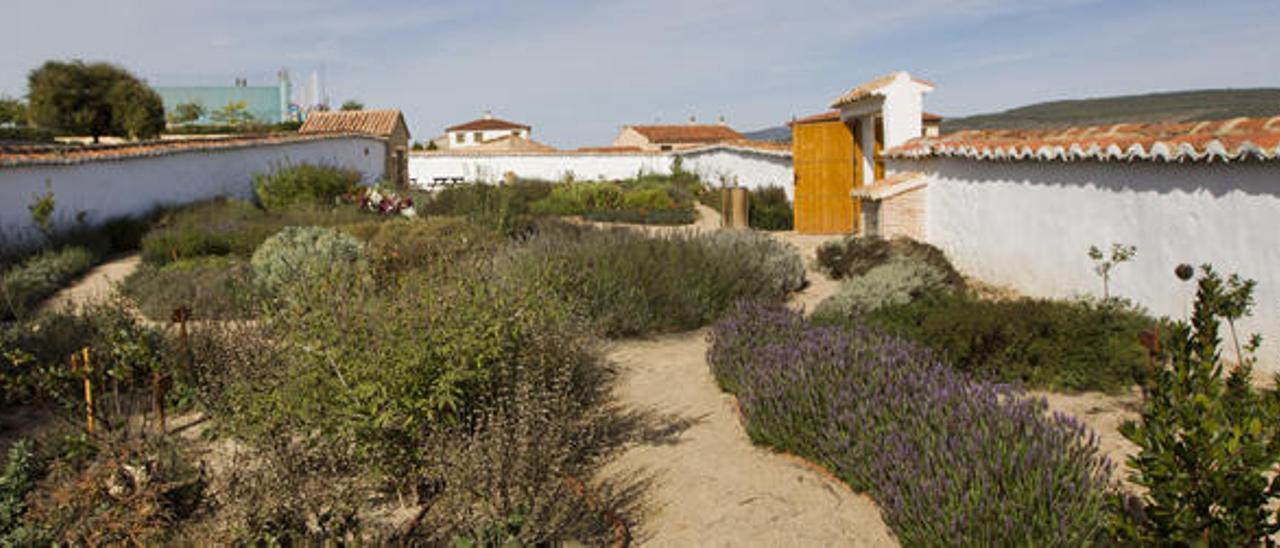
[(693, 119), (723, 122), (488, 115)]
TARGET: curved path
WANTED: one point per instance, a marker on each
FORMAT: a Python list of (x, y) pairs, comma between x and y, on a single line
[(710, 485)]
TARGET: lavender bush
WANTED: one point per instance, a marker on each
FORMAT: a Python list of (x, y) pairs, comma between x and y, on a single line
[(950, 460)]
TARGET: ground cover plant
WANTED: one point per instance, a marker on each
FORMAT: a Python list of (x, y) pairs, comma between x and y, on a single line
[(630, 283), (946, 457), (211, 288), (27, 284)]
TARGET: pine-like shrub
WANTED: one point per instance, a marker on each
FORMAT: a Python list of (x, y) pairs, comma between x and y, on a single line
[(950, 460), (302, 255), (304, 184)]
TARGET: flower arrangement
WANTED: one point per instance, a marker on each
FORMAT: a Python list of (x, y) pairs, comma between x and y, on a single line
[(382, 201)]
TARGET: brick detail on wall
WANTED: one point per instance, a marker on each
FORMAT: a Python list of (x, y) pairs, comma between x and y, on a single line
[(904, 215)]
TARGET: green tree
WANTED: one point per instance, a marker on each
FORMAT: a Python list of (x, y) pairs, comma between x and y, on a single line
[(235, 113), (185, 113), (12, 111), (137, 112), (1206, 442), (86, 98), (352, 104)]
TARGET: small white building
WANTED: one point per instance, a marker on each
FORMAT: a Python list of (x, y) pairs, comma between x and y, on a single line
[(1021, 208), (480, 131)]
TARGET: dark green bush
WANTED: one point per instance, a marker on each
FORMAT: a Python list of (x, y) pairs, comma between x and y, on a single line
[(1073, 345), (631, 283), (17, 479), (503, 208), (1207, 443), (24, 286), (212, 288), (770, 209), (217, 227), (856, 255), (304, 184)]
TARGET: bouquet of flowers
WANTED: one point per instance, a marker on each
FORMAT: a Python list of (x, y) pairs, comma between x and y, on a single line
[(382, 201)]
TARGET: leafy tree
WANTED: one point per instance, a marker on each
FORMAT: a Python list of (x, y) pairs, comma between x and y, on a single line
[(137, 111), (12, 111), (1206, 443), (352, 104), (185, 113), (86, 98), (234, 113)]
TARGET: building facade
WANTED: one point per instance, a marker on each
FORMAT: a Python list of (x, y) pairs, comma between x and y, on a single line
[(660, 138), (264, 104), (478, 132)]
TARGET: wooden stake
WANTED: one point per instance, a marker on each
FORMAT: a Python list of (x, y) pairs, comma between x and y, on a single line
[(80, 363)]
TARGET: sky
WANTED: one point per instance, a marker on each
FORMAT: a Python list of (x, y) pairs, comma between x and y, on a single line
[(576, 71)]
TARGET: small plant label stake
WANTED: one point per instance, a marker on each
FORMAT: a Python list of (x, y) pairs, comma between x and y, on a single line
[(80, 363)]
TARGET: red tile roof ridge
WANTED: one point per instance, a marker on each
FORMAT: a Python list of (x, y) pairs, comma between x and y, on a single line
[(481, 124), (23, 155), (374, 122)]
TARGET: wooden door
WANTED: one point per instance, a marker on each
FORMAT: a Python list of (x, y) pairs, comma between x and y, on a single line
[(823, 159)]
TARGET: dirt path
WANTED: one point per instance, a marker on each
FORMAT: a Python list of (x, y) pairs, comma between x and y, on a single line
[(95, 286), (711, 485)]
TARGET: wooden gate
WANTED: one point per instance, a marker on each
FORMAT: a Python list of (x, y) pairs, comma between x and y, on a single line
[(824, 154)]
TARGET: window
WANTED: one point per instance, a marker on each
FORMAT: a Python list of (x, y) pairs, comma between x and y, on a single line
[(515, 133), (664, 148), (460, 138), (477, 137)]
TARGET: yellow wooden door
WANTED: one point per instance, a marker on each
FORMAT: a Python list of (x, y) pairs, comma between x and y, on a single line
[(823, 156)]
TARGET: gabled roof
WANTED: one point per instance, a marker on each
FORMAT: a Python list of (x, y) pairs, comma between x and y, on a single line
[(511, 143), (1225, 140), (877, 87), (930, 117), (371, 122), (688, 133), (486, 124)]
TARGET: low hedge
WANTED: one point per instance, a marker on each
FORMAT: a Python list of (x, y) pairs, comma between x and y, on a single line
[(949, 460), (1055, 344)]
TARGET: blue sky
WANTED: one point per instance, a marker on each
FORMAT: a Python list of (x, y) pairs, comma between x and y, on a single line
[(578, 70)]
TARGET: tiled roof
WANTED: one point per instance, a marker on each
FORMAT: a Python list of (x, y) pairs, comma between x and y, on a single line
[(512, 143), (486, 124), (26, 155), (828, 116), (371, 122), (930, 117), (744, 145), (875, 87), (608, 149), (688, 133), (891, 186), (1226, 140)]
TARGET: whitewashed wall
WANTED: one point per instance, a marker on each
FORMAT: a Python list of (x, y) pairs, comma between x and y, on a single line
[(751, 169), (1029, 225), (103, 189)]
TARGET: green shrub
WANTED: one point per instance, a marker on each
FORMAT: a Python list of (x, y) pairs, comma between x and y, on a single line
[(1073, 345), (24, 286), (437, 244), (213, 288), (856, 255), (499, 208), (218, 227), (650, 198), (302, 255), (303, 184), (769, 209), (16, 481), (631, 283), (1207, 444), (662, 217), (896, 281)]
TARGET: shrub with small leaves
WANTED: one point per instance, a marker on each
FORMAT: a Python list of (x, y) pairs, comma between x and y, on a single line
[(856, 255), (16, 481), (1206, 443), (302, 254), (26, 285), (896, 281), (304, 184)]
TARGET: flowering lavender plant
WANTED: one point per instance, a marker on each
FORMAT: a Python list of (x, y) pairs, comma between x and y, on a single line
[(949, 459)]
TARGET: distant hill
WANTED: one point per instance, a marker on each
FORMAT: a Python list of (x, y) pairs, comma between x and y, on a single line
[(1176, 106)]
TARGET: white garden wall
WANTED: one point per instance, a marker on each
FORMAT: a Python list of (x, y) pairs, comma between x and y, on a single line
[(1029, 225), (101, 189), (749, 168)]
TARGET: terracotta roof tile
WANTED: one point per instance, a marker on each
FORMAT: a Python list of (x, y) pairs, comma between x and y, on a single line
[(1225, 140), (372, 122), (875, 87), (931, 117), (484, 124), (891, 186), (690, 133), (828, 116), (25, 155), (510, 143), (608, 149)]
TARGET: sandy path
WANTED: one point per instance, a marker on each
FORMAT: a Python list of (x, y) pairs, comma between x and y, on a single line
[(711, 485), (96, 286)]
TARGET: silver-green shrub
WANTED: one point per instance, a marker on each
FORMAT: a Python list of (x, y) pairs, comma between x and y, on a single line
[(298, 254), (779, 260), (897, 281)]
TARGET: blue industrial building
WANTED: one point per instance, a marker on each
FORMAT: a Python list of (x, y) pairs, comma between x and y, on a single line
[(266, 104)]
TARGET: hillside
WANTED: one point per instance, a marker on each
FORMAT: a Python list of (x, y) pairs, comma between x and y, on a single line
[(1177, 106)]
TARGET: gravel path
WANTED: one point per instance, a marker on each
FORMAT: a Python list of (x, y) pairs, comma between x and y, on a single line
[(711, 486), (97, 285)]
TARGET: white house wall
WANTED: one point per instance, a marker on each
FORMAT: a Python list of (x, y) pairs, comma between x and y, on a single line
[(749, 169), (1029, 225), (103, 189)]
